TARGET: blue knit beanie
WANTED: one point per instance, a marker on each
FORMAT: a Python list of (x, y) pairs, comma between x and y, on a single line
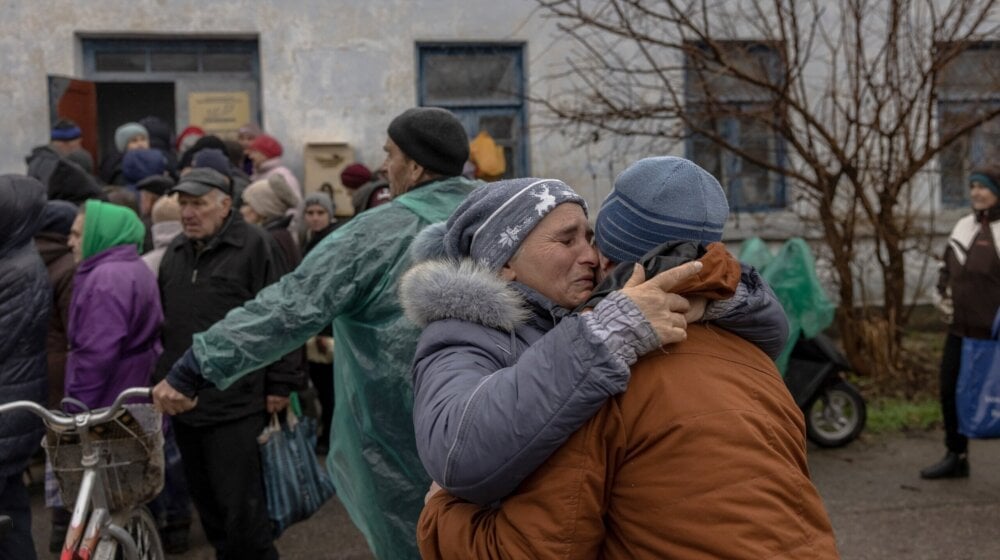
[(492, 222), (65, 130), (212, 158), (656, 200), (139, 164)]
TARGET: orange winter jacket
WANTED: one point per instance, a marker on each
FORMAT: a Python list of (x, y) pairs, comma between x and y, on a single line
[(702, 457)]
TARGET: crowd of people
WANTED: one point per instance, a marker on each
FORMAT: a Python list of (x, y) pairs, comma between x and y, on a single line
[(506, 380), (156, 243)]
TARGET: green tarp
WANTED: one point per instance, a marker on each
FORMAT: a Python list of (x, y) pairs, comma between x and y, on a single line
[(792, 275)]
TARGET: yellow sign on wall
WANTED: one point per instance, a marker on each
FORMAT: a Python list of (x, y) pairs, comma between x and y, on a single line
[(219, 112)]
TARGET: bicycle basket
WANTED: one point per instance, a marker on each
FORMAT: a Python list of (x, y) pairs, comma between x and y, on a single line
[(130, 452)]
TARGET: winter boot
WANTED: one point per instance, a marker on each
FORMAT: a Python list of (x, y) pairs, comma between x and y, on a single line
[(954, 465)]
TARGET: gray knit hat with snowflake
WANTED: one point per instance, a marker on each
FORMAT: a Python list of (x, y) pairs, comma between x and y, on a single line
[(493, 221)]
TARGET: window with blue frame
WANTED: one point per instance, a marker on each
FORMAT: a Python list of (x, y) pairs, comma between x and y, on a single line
[(968, 89), (722, 109), (484, 85)]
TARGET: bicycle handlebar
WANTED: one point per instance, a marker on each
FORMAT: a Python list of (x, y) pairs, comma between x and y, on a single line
[(80, 419)]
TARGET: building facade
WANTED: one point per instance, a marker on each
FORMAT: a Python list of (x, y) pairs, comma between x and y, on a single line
[(323, 73)]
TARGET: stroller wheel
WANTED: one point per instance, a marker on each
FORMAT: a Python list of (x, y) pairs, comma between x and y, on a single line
[(836, 416)]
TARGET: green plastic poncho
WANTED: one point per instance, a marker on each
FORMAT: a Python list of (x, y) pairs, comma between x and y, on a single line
[(351, 278), (107, 225), (792, 276)]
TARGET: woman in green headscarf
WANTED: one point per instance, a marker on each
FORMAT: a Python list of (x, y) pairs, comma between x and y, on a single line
[(115, 314)]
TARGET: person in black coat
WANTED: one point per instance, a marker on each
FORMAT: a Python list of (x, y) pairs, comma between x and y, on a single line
[(969, 287), (318, 215), (25, 303), (218, 263)]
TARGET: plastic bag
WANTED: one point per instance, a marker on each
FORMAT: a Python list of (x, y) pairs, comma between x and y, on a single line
[(488, 157), (792, 276), (295, 484), (977, 395)]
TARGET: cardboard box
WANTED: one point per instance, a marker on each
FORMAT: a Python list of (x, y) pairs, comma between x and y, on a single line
[(323, 163)]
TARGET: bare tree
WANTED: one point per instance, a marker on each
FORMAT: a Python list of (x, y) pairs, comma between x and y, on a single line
[(849, 88)]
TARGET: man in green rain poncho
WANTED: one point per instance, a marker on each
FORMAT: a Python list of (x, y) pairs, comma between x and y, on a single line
[(350, 278)]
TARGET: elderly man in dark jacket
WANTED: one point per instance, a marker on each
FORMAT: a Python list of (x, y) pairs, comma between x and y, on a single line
[(25, 300), (217, 264)]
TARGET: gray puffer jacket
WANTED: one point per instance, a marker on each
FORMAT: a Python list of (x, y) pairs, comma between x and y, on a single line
[(502, 377), (25, 300)]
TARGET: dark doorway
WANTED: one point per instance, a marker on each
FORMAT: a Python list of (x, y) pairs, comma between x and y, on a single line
[(122, 102)]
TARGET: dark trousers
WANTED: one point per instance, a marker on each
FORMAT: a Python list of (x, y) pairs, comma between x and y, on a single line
[(172, 507), (322, 379), (15, 503), (951, 362), (222, 466)]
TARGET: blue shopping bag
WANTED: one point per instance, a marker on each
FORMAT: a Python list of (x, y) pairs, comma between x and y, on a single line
[(295, 483), (977, 395)]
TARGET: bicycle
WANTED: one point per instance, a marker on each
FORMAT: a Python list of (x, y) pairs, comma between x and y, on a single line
[(109, 463)]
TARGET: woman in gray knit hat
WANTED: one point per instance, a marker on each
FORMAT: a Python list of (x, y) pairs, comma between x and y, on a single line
[(505, 371)]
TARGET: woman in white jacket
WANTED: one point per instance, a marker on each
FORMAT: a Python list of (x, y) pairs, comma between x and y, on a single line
[(970, 285)]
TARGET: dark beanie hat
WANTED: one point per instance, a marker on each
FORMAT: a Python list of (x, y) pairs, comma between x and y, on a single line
[(433, 138), (212, 158), (987, 176), (70, 182), (82, 158), (159, 132), (139, 164), (58, 216), (204, 142), (65, 130), (355, 175)]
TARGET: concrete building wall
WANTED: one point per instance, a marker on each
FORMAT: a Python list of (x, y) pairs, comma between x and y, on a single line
[(329, 71), (336, 71)]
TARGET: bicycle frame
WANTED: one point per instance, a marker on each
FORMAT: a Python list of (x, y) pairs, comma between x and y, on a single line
[(91, 505), (92, 508)]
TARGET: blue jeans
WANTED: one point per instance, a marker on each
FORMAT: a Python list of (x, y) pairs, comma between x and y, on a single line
[(14, 502)]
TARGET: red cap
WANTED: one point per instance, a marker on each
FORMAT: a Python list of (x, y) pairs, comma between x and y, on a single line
[(267, 145), (355, 175), (188, 132)]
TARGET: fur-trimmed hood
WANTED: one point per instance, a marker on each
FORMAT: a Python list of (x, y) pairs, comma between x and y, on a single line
[(438, 289)]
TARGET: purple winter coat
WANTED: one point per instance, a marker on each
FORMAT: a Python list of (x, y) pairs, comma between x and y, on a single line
[(114, 326)]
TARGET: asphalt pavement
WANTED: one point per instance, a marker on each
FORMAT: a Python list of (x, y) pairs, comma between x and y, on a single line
[(879, 506)]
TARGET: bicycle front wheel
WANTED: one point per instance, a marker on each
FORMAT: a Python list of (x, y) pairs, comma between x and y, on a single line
[(141, 526)]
